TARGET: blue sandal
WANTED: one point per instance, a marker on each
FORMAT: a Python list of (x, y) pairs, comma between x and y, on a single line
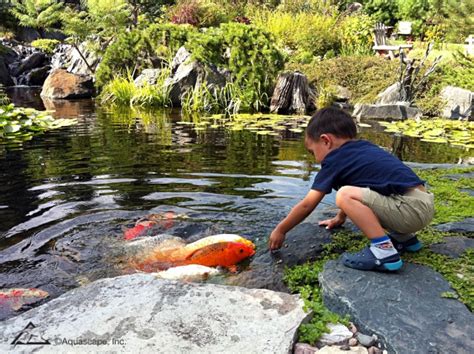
[(411, 245), (365, 260)]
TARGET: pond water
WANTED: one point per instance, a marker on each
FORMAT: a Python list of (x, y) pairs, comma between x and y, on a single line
[(67, 196)]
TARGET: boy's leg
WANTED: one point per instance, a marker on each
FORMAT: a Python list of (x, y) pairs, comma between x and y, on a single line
[(381, 255)]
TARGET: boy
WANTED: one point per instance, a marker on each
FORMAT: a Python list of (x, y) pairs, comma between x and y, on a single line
[(374, 189)]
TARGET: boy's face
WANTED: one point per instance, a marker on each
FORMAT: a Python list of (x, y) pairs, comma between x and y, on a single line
[(319, 148)]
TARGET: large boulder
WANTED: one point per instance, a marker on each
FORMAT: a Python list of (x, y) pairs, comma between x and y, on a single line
[(63, 85), (67, 57), (5, 78), (141, 313), (459, 103), (390, 95), (397, 111), (186, 74), (148, 77), (405, 310), (35, 60)]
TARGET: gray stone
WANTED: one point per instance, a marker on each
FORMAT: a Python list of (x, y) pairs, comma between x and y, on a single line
[(337, 350), (35, 60), (304, 348), (404, 309), (67, 57), (63, 85), (147, 76), (181, 56), (465, 226), (397, 111), (338, 333), (459, 103), (155, 315), (453, 247), (390, 95), (365, 340), (5, 78), (36, 77)]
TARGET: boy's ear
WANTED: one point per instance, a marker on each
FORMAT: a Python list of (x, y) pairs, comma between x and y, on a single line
[(325, 138)]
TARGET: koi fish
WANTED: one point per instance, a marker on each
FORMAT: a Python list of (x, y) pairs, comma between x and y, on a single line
[(14, 299), (191, 272), (144, 224), (224, 254)]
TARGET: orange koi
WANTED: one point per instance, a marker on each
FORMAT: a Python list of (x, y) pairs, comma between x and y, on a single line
[(224, 254)]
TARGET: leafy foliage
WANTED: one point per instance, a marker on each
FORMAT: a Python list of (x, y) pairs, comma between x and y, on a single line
[(127, 53), (39, 14), (46, 45), (199, 13), (164, 40), (19, 124), (356, 35)]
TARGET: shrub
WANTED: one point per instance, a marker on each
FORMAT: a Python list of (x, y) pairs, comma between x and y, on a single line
[(303, 34), (46, 45), (356, 35), (199, 13), (127, 53), (248, 52), (365, 77), (165, 39)]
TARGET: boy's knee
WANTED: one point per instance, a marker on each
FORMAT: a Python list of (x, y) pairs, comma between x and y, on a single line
[(344, 194)]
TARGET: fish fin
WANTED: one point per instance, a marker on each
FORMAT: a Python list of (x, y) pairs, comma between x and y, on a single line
[(193, 253), (232, 268)]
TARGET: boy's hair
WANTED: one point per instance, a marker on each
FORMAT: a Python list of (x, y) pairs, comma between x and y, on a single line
[(333, 121)]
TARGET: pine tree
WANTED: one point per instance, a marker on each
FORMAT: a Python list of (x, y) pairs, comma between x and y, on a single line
[(39, 14)]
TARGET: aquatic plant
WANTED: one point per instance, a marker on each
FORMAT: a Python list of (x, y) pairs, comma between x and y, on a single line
[(19, 124), (457, 133)]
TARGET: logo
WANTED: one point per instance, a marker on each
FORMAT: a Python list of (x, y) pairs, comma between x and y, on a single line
[(27, 337)]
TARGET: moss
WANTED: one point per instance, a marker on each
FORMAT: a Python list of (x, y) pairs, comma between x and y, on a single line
[(451, 204)]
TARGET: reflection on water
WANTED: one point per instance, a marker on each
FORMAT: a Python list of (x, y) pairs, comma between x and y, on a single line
[(67, 196)]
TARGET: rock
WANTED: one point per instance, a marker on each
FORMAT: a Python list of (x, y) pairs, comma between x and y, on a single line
[(63, 85), (338, 333), (353, 342), (292, 94), (189, 75), (67, 57), (453, 247), (374, 350), (35, 60), (304, 348), (153, 315), (397, 111), (352, 328), (365, 340), (465, 226), (390, 95), (337, 350), (36, 77), (405, 310), (342, 94), (147, 76), (181, 56), (459, 103), (5, 78)]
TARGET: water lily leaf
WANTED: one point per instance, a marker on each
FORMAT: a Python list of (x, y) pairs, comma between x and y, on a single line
[(11, 128), (364, 125), (435, 140)]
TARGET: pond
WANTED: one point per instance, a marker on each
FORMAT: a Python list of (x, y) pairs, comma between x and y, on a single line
[(68, 195)]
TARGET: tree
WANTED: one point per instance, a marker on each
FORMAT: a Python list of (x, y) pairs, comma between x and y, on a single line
[(39, 14)]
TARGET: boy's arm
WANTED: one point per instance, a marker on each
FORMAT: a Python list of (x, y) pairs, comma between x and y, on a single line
[(299, 212)]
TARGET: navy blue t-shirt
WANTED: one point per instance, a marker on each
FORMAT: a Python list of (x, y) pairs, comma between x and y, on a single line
[(360, 163)]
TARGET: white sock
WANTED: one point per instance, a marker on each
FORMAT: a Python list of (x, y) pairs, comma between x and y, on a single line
[(382, 247)]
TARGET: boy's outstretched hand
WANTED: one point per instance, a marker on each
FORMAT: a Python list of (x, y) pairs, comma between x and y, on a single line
[(276, 240), (336, 221)]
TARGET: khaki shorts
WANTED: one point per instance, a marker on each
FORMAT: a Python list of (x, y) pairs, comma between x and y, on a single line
[(404, 214)]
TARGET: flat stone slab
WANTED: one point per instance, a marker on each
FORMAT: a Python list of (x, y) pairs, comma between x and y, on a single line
[(453, 247), (465, 226), (404, 309), (140, 313)]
